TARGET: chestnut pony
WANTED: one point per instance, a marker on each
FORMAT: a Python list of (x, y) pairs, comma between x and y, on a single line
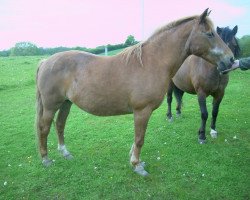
[(197, 76), (134, 81)]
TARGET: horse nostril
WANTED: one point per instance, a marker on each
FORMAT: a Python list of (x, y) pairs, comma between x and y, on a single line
[(232, 60)]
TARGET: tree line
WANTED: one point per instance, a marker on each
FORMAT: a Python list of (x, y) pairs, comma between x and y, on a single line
[(30, 49)]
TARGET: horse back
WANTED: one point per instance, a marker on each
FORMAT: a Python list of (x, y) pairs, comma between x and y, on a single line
[(56, 74), (96, 84)]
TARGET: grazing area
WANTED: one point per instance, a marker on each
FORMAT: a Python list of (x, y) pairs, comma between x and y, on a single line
[(179, 167)]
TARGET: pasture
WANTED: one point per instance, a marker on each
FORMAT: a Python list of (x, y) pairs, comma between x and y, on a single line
[(179, 167)]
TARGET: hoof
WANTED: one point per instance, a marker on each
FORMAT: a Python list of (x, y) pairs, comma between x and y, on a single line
[(170, 119), (46, 162), (139, 169), (68, 157), (64, 152), (178, 115), (201, 141), (213, 133), (142, 163)]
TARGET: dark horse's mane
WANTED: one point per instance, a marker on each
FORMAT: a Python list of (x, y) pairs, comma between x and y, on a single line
[(226, 36)]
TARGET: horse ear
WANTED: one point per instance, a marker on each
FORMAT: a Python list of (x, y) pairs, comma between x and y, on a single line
[(235, 29), (203, 16), (219, 30)]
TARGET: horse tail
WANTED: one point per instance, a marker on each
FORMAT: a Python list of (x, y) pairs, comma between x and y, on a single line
[(39, 104)]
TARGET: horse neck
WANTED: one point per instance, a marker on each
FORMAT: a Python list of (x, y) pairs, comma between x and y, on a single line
[(168, 49)]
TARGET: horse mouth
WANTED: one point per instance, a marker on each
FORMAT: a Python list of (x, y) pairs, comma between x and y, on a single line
[(229, 70)]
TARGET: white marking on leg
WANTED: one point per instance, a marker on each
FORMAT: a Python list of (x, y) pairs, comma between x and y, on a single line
[(213, 133), (132, 155), (131, 150), (138, 168)]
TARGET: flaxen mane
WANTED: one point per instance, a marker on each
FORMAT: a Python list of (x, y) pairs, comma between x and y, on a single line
[(136, 50), (171, 25)]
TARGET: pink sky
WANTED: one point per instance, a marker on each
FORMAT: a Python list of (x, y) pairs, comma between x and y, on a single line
[(89, 23)]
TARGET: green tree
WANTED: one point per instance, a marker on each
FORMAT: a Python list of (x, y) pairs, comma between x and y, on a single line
[(4, 53), (244, 43), (24, 49), (130, 40)]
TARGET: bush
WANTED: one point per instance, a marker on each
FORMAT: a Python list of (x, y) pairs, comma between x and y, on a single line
[(24, 49), (244, 43)]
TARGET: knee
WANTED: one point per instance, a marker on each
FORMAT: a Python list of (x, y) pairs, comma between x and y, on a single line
[(45, 131)]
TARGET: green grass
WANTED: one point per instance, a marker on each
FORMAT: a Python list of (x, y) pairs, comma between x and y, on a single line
[(179, 167)]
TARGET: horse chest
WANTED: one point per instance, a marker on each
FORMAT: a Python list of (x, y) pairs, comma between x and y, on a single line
[(214, 83)]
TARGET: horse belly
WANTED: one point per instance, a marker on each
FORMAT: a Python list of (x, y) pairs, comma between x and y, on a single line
[(98, 100), (103, 107)]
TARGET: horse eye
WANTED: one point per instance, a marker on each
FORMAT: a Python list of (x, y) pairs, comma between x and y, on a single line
[(210, 34)]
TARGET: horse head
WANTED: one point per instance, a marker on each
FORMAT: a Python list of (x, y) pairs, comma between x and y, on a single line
[(204, 42), (228, 36)]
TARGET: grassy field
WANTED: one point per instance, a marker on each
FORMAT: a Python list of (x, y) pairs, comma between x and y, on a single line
[(114, 52), (179, 167)]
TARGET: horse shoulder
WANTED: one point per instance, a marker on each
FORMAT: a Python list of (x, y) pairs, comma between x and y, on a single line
[(183, 77)]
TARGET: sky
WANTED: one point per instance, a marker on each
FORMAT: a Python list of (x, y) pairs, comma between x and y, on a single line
[(91, 23)]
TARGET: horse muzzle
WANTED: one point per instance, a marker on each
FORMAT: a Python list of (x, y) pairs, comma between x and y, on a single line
[(225, 66)]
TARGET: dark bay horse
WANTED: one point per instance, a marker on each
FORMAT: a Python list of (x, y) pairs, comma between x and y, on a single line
[(197, 76), (134, 81)]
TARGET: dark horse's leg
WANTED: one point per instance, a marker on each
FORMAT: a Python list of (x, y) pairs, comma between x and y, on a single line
[(169, 100), (204, 116), (141, 118), (60, 125), (178, 95), (216, 104)]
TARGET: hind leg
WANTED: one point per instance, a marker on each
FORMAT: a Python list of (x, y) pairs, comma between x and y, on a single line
[(169, 101), (43, 128), (178, 95), (60, 125)]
